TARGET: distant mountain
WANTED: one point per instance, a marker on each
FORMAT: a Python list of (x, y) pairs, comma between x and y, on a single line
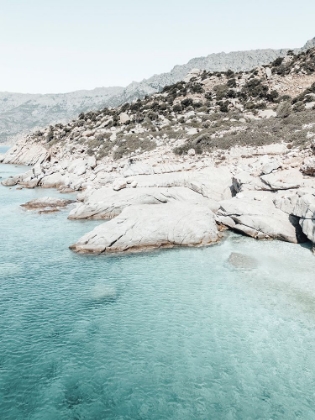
[(20, 113), (236, 61)]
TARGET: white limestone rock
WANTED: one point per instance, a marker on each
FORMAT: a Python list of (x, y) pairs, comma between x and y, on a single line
[(124, 118), (47, 204), (305, 209), (244, 181), (267, 113), (145, 227), (283, 180), (10, 182), (119, 184), (259, 219), (104, 203), (270, 166), (211, 182), (55, 180), (308, 167), (137, 169), (25, 154)]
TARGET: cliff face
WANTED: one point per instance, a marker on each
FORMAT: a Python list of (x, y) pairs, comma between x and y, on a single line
[(20, 113)]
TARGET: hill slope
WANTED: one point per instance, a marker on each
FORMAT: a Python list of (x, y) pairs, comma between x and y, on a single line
[(20, 113)]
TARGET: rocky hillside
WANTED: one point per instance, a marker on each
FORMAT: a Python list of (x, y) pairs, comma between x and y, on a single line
[(20, 113), (217, 150), (205, 112), (220, 62)]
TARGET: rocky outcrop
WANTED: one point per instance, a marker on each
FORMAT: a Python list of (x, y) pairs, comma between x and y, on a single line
[(259, 219), (283, 180), (47, 204), (27, 154), (305, 209), (146, 227), (104, 203), (308, 167), (194, 147), (212, 182)]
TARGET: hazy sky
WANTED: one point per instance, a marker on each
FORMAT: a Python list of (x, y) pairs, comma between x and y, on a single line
[(64, 45)]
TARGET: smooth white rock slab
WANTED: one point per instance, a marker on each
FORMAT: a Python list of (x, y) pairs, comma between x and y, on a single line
[(144, 227), (104, 203)]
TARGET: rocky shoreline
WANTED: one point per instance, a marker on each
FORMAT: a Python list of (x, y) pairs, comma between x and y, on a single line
[(214, 151), (263, 192)]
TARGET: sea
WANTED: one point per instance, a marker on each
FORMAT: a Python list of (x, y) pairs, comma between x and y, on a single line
[(176, 334)]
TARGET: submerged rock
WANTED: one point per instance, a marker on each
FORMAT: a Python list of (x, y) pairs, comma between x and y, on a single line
[(10, 182), (238, 260), (145, 227)]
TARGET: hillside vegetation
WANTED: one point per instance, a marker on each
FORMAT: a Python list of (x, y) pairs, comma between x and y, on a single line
[(205, 111), (20, 113)]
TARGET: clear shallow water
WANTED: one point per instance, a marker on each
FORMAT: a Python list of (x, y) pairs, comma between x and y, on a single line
[(178, 334), (3, 149)]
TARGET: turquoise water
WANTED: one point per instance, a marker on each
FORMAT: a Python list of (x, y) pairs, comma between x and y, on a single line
[(178, 334), (3, 149)]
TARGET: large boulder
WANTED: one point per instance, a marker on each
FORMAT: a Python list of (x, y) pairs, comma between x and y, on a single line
[(104, 203), (145, 227), (283, 180), (308, 167), (305, 209), (212, 182), (55, 180), (259, 219), (47, 204), (244, 181), (26, 154), (10, 182), (119, 184), (124, 118)]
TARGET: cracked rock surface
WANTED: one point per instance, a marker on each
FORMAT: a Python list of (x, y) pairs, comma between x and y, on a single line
[(146, 227)]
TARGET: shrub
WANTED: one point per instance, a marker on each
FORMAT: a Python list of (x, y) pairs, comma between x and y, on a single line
[(197, 88), (278, 61), (272, 96), (197, 104), (224, 106), (284, 109), (177, 108), (231, 83), (125, 107), (152, 116), (187, 102), (299, 106), (229, 74), (221, 91), (255, 88)]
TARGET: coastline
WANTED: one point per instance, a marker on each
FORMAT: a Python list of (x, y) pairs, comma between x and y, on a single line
[(260, 192)]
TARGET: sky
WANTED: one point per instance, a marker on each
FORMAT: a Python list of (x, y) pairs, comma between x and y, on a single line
[(56, 46)]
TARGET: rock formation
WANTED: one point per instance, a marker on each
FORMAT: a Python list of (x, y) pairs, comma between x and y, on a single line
[(176, 168), (146, 227)]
